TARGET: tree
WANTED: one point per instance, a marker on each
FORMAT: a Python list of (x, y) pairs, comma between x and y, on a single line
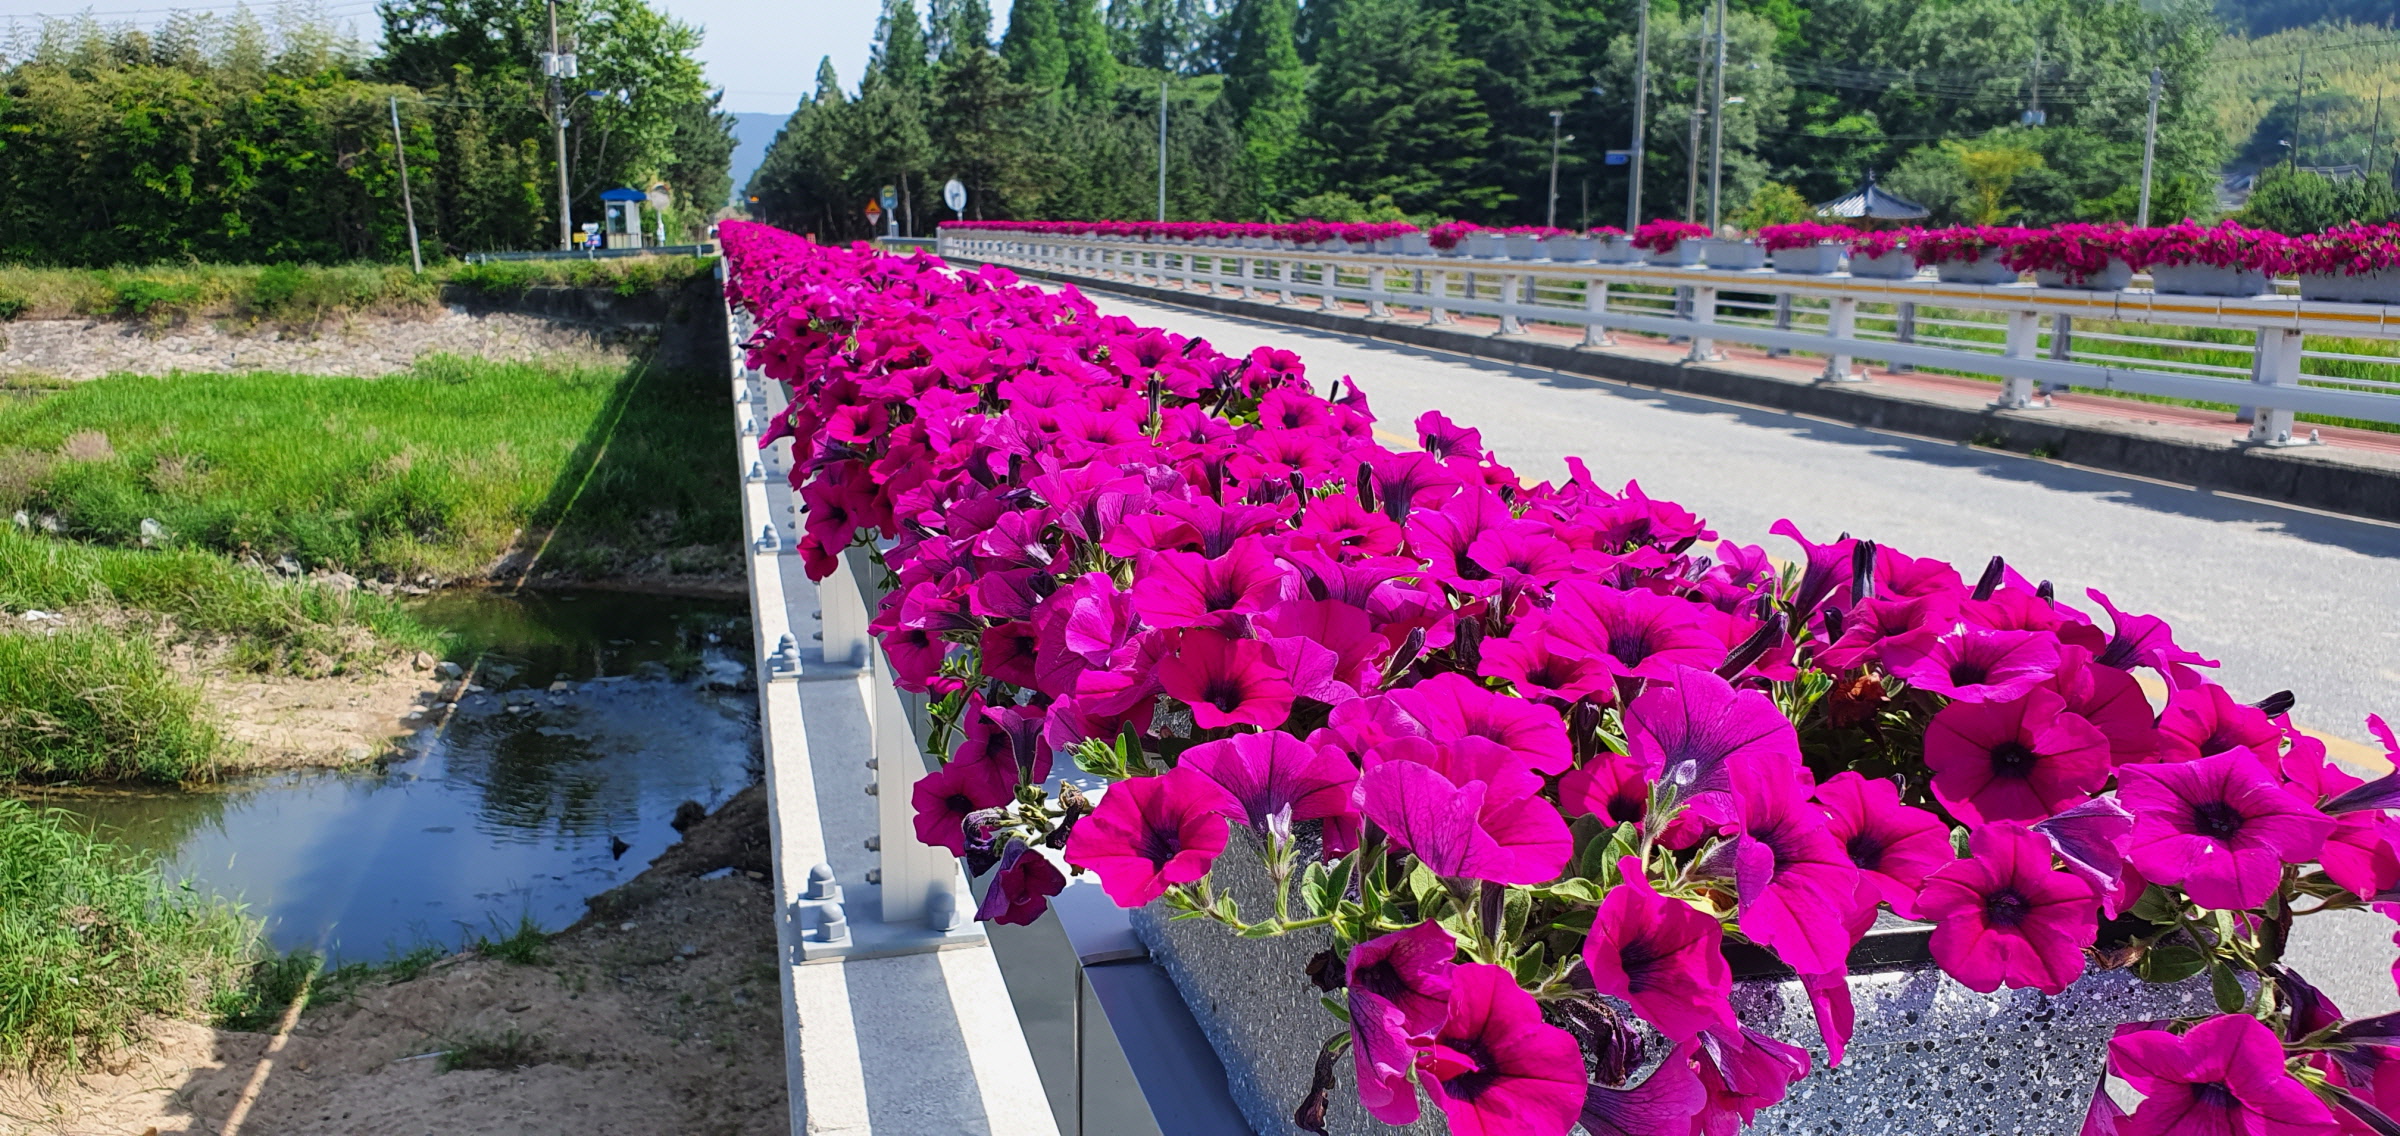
[(2297, 202), (1393, 112), (1265, 86), (1989, 172), (959, 27), (1091, 61), (1753, 75), (899, 55), (1033, 46), (980, 131), (1162, 35), (1523, 72)]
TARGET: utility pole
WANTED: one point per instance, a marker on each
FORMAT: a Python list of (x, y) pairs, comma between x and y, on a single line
[(2299, 107), (1162, 148), (2036, 118), (1552, 219), (559, 67), (1641, 111), (1691, 146), (2374, 132), (1716, 128), (2158, 81), (416, 258)]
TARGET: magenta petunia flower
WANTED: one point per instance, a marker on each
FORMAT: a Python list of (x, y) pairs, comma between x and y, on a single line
[(1460, 831), (2019, 760), (1495, 1067), (1894, 845), (2005, 915), (2360, 853), (1227, 682), (1536, 663), (1975, 666), (1022, 889), (1609, 786), (2225, 1076), (2142, 641), (1634, 634), (2205, 721), (1794, 880), (1827, 575), (1662, 1105), (1662, 956), (1265, 774), (2090, 840), (1399, 993), (1150, 833), (1185, 589), (1450, 706), (2219, 827), (1686, 731), (1743, 1073), (975, 779), (2110, 700)]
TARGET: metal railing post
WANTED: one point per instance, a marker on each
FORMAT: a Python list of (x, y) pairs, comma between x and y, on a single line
[(2024, 335), (1783, 322), (1287, 272), (2277, 364), (1511, 287), (1905, 331), (1378, 282), (1595, 305), (1842, 323), (1704, 313)]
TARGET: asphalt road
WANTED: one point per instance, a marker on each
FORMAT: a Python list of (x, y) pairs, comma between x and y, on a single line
[(2285, 598)]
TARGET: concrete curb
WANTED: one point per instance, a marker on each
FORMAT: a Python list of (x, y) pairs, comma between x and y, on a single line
[(2354, 482)]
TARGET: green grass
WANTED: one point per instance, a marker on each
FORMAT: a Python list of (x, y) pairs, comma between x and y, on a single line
[(508, 1049), (437, 470), (304, 296), (92, 943), (525, 946), (95, 704), (269, 624)]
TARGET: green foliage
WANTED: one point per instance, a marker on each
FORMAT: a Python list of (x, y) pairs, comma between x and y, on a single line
[(1774, 204), (506, 1050), (1341, 208), (1266, 88), (92, 942), (2262, 101), (434, 470), (527, 945), (2300, 201), (1033, 46), (1091, 74), (1393, 112), (91, 704), (273, 984)]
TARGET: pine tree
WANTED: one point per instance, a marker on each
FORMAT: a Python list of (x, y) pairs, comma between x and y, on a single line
[(1091, 63), (1393, 111), (1266, 87), (1522, 71), (1036, 54), (959, 27), (899, 54)]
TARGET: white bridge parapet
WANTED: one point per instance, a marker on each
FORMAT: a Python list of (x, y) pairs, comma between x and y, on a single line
[(1816, 314)]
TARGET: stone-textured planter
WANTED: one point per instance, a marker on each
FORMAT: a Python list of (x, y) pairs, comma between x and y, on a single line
[(1415, 244), (1812, 260), (1928, 1055), (1488, 245), (2209, 280), (2116, 277), (1894, 265), (1618, 250), (1685, 254), (1737, 256), (1581, 249), (1522, 246), (1984, 269), (2379, 287)]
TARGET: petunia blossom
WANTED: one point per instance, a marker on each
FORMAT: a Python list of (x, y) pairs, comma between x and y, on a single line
[(2225, 1076), (2006, 916), (1634, 634), (1450, 706), (975, 779), (1399, 993), (1021, 891), (1458, 831), (1894, 845), (2019, 760), (1185, 589), (1662, 956), (1495, 1067), (1662, 1105), (1794, 880), (1743, 1073), (1267, 774), (2221, 828), (1227, 682), (1686, 731), (1975, 666), (1151, 833)]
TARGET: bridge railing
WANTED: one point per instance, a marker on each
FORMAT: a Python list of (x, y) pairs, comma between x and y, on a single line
[(2273, 357)]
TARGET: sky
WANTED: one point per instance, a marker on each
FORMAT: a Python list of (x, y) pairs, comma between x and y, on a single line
[(763, 52)]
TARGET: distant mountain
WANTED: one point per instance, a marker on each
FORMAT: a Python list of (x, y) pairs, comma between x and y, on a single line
[(2266, 17), (752, 133)]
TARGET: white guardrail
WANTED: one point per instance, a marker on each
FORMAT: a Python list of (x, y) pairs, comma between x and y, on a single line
[(1908, 323)]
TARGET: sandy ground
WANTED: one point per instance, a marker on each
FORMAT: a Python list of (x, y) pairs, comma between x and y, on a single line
[(658, 1018), (284, 723), (362, 346)]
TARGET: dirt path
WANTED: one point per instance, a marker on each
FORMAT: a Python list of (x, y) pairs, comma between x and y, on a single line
[(365, 346), (659, 1018)]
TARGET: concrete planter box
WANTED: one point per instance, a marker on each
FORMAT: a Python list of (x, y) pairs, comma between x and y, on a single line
[(1488, 245), (1618, 250), (1737, 256), (2116, 277), (2209, 280), (2379, 287), (1580, 249), (1522, 246), (1814, 260), (1685, 254), (1413, 244), (1928, 1055), (1894, 265), (1984, 269)]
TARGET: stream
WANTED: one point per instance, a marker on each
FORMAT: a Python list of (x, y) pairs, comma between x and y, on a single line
[(592, 714)]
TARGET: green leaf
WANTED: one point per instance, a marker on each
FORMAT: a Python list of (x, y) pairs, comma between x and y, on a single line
[(1261, 931), (1312, 889), (1529, 964), (1575, 891), (1426, 887), (1516, 907), (2158, 905), (2228, 989), (1337, 1009), (2169, 963)]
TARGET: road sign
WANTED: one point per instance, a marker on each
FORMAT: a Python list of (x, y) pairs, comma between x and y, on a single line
[(873, 211), (891, 199), (954, 195), (1619, 157)]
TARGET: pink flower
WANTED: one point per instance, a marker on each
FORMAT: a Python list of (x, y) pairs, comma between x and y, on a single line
[(1498, 1069), (1976, 666), (1264, 774), (1150, 833), (1662, 956), (1685, 732), (1794, 880), (1458, 831), (1894, 845), (1185, 589), (1022, 890), (2019, 760), (1662, 1105), (2220, 828), (2004, 915), (2110, 700), (1635, 634), (1744, 1073), (1399, 994), (1609, 786), (2206, 721), (2090, 840), (1536, 663), (971, 781), (1227, 682), (1450, 706), (2225, 1076)]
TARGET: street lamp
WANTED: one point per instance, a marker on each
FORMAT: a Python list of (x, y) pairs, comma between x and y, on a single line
[(1555, 117)]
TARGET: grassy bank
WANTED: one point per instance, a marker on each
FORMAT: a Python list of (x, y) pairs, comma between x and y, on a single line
[(438, 470), (94, 704), (306, 295), (92, 943)]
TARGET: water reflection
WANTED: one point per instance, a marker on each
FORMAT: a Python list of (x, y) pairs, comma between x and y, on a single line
[(513, 807)]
